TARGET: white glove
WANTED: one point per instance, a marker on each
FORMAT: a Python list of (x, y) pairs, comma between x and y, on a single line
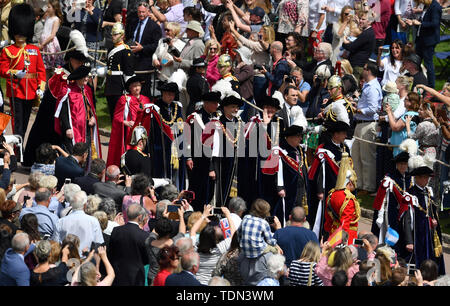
[(40, 93), (20, 74)]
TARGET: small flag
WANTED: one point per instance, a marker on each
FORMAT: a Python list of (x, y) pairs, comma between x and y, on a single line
[(336, 237), (391, 237), (226, 229)]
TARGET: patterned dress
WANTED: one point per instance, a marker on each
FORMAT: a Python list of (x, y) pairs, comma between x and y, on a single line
[(51, 61), (292, 13)]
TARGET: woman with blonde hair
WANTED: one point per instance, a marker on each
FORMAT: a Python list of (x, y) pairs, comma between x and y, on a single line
[(162, 58), (211, 56), (331, 261), (341, 29), (259, 45), (302, 271)]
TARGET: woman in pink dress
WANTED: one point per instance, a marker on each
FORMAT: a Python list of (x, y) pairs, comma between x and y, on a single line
[(211, 56), (49, 42)]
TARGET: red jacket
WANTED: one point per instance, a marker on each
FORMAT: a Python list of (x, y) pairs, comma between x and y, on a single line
[(346, 208), (119, 132), (23, 88), (379, 27)]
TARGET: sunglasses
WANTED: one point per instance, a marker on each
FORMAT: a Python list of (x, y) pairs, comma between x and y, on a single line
[(212, 48)]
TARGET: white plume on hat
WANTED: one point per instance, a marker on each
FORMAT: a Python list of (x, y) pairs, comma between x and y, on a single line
[(279, 96), (298, 118), (418, 161), (409, 146), (225, 89), (80, 43), (179, 77)]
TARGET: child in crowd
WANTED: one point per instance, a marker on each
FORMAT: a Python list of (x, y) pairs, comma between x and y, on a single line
[(354, 33), (39, 25), (392, 98)]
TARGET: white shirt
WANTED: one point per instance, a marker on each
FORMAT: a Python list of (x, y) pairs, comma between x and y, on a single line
[(86, 227), (315, 9), (333, 17), (390, 72)]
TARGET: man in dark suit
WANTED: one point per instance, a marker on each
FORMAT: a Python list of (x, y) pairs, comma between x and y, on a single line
[(127, 251), (428, 36), (14, 271), (111, 189), (72, 165), (145, 34), (96, 174), (321, 57), (290, 96), (190, 263)]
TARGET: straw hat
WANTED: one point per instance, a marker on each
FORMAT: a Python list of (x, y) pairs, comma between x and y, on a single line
[(390, 87)]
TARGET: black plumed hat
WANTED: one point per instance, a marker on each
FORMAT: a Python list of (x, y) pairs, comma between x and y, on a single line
[(21, 21)]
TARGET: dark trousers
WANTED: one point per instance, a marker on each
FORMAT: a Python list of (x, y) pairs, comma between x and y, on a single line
[(328, 34), (112, 101), (427, 53), (22, 111)]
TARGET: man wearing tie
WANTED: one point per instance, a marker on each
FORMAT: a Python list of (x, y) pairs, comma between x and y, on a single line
[(290, 96), (146, 35)]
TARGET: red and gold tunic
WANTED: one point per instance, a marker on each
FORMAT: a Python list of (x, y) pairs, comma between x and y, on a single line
[(15, 58), (342, 208)]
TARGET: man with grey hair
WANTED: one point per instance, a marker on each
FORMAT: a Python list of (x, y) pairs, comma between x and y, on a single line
[(127, 251), (237, 207), (293, 238), (78, 223), (168, 192), (190, 263), (47, 221), (276, 269), (321, 56), (14, 271), (111, 188), (95, 175), (69, 191)]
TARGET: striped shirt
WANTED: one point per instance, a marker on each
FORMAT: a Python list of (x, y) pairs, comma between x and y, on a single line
[(299, 274), (255, 235)]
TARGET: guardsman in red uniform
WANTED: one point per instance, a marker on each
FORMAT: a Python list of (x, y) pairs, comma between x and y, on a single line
[(22, 66), (341, 204)]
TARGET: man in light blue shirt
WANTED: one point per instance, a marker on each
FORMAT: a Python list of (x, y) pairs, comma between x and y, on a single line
[(78, 223), (366, 116), (47, 221)]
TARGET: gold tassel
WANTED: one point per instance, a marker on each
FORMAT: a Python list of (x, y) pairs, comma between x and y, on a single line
[(93, 149), (305, 205), (437, 245), (233, 189), (174, 158)]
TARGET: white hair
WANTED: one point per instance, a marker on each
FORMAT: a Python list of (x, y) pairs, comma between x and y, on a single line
[(443, 280), (326, 48), (78, 200), (218, 281), (70, 190), (20, 242), (275, 264)]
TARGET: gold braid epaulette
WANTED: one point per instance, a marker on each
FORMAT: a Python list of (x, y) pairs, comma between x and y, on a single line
[(17, 56)]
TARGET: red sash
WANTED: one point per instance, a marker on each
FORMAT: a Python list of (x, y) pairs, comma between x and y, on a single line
[(318, 160)]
